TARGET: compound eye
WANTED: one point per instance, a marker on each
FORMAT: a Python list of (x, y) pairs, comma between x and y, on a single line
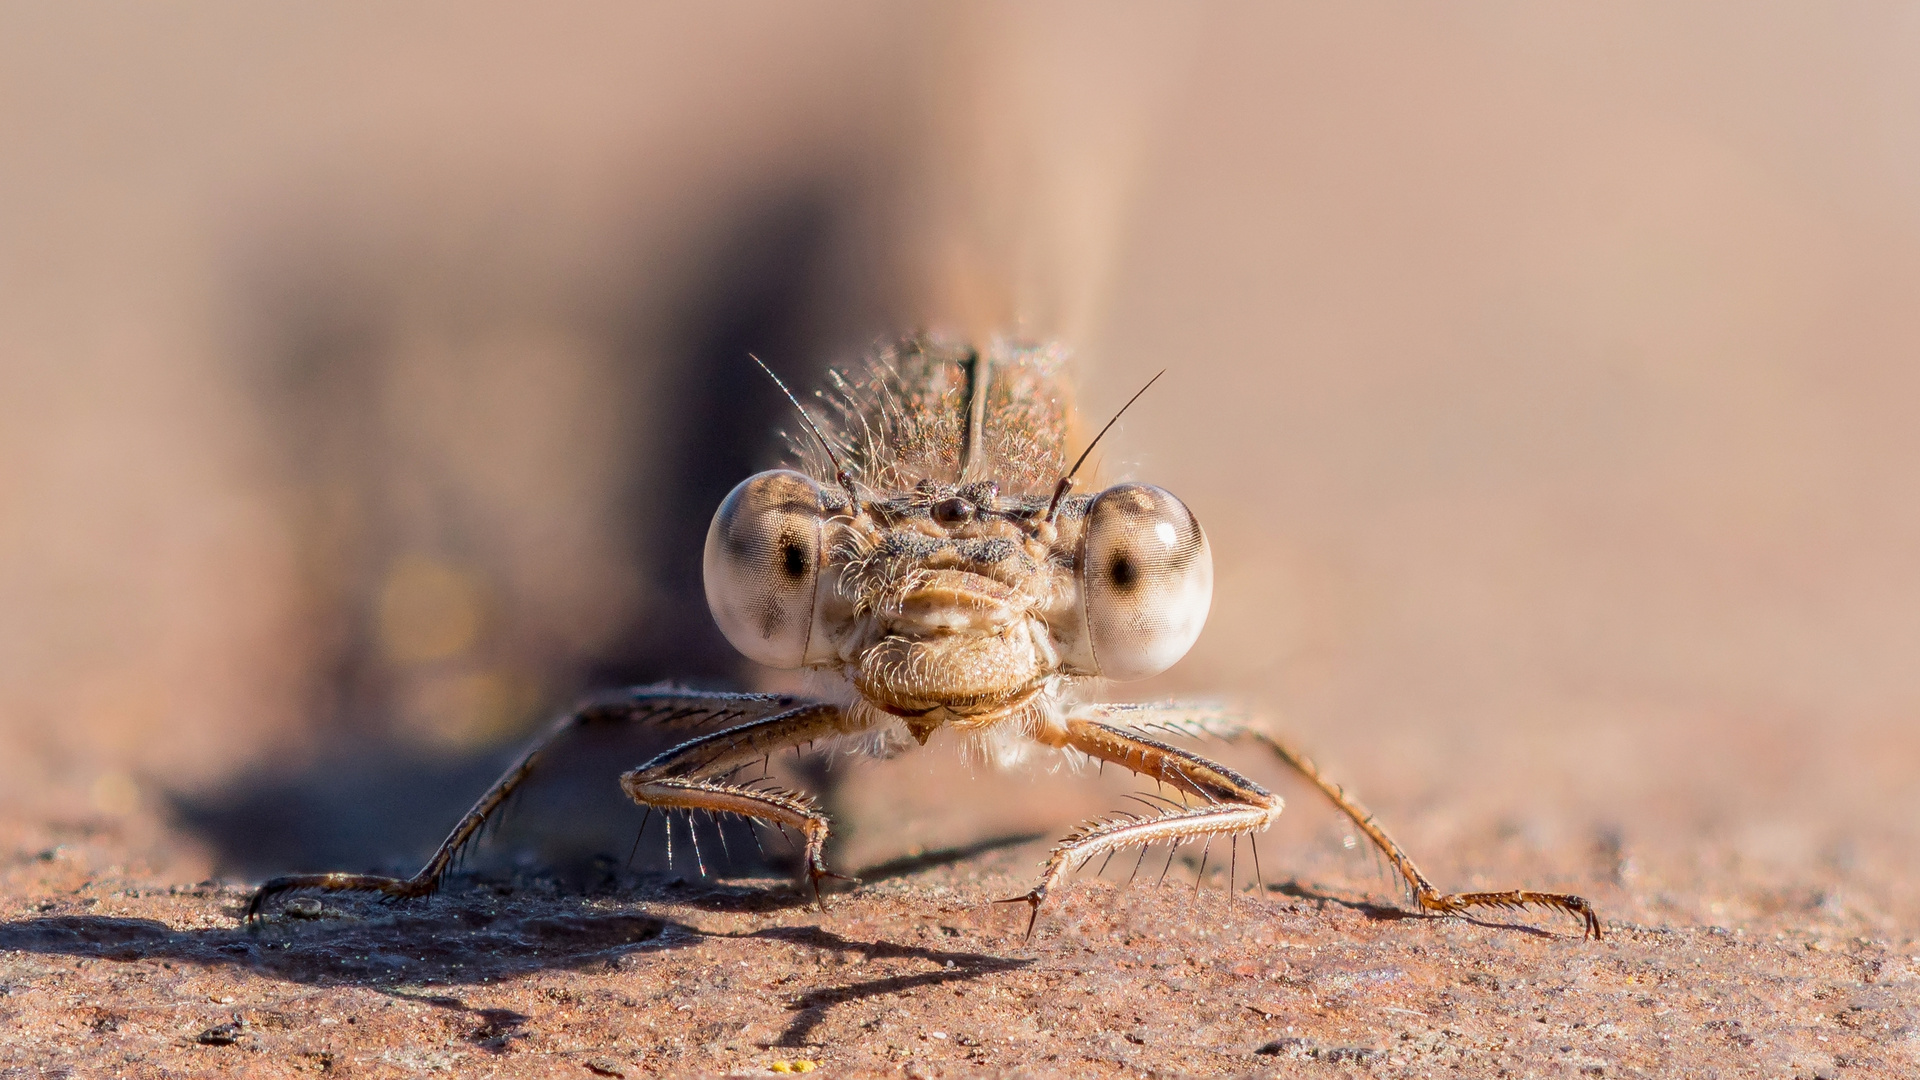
[(1146, 580), (762, 566)]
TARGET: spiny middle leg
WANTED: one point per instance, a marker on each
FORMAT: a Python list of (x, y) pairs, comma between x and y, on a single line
[(1233, 805)]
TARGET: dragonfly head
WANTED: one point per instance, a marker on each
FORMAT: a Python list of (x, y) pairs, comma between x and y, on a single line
[(951, 598)]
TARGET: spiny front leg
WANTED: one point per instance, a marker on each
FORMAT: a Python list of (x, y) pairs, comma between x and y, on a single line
[(663, 708), (1233, 803), (697, 774), (1206, 721)]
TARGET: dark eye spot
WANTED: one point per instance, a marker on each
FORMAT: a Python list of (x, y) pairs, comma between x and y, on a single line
[(793, 560), (1123, 573), (771, 619)]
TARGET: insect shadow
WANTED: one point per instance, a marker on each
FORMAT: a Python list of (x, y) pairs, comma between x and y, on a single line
[(812, 1007), (907, 865), (470, 938), (494, 1029), (1388, 913), (330, 340), (467, 939), (571, 822)]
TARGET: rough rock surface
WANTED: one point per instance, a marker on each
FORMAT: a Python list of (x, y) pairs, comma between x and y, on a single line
[(109, 966)]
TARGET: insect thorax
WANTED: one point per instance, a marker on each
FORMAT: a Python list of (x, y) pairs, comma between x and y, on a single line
[(924, 409)]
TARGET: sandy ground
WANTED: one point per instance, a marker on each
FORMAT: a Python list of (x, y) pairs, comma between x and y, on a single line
[(1716, 962)]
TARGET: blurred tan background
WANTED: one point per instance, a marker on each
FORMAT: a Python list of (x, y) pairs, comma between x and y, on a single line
[(1545, 377)]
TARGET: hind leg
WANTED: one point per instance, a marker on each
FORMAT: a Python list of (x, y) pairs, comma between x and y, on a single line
[(1232, 803), (1204, 721)]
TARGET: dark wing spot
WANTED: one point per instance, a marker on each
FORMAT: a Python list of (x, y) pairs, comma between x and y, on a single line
[(1123, 573)]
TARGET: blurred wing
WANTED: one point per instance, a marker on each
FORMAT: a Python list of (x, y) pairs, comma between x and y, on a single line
[(1016, 209)]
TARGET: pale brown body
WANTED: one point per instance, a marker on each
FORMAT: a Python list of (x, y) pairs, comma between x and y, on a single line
[(947, 580)]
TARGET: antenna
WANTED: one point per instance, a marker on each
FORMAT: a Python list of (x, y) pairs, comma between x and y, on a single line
[(839, 471), (1060, 490)]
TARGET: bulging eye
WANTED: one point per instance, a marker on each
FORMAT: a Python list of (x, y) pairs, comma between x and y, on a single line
[(762, 566), (1146, 582)]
